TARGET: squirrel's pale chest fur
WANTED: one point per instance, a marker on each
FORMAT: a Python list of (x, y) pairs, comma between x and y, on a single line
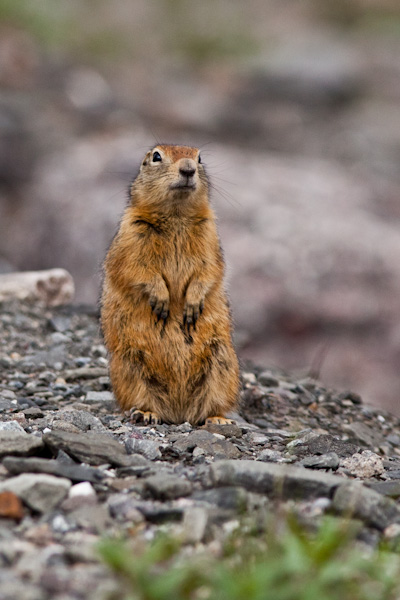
[(165, 314)]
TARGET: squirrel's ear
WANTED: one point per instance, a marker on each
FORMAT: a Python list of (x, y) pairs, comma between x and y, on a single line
[(145, 160)]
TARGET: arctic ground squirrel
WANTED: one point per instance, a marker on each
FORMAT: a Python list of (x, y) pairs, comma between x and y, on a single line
[(165, 314)]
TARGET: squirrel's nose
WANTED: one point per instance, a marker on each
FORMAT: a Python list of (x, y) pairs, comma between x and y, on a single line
[(189, 171), (187, 168)]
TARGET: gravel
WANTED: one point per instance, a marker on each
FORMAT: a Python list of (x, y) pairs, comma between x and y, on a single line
[(74, 469)]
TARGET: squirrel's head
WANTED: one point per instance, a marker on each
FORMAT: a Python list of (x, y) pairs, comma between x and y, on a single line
[(173, 172)]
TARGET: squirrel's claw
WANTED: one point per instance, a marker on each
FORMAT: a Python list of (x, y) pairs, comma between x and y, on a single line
[(191, 314), (144, 416), (160, 308)]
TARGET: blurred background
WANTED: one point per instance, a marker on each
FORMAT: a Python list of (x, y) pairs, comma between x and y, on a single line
[(296, 106)]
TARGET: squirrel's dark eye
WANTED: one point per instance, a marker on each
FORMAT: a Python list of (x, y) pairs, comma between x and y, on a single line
[(156, 157), (199, 159)]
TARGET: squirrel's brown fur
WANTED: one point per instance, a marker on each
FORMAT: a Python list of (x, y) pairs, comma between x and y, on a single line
[(165, 314)]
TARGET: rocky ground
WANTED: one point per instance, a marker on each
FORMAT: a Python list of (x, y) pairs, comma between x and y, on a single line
[(296, 107), (75, 469)]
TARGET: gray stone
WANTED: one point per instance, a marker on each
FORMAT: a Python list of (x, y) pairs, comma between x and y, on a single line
[(11, 426), (148, 448), (42, 493), (365, 464), (393, 474), (81, 419), (301, 443), (92, 448), (356, 500), (19, 444), (138, 464), (159, 512), (73, 503), (73, 472), (33, 412), (47, 376), (282, 481), (60, 323), (267, 378), (323, 461), (210, 443), (13, 587), (256, 438), (7, 394), (6, 405), (323, 444), (104, 398), (194, 525), (57, 354), (221, 449), (365, 434), (167, 487), (268, 455), (199, 437), (90, 517), (85, 373), (229, 430), (80, 547), (59, 338), (387, 488), (394, 439), (227, 498), (123, 508)]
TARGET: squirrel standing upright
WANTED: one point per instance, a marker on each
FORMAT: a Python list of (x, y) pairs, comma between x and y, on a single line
[(165, 314)]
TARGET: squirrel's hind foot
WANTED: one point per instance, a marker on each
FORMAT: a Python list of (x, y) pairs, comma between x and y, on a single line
[(219, 421), (144, 416)]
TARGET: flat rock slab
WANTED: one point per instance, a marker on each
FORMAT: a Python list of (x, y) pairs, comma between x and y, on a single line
[(82, 419), (19, 443), (356, 500), (386, 488), (91, 448), (15, 466), (147, 448), (228, 430), (167, 487), (104, 398), (84, 373), (366, 434), (323, 461), (228, 498), (40, 492), (324, 444), (282, 481), (209, 443)]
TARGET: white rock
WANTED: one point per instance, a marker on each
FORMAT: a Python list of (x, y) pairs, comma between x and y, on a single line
[(249, 378), (40, 492), (11, 426), (84, 488), (365, 464), (54, 286)]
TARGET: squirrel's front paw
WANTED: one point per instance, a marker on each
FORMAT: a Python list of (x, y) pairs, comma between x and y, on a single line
[(159, 298), (191, 314), (160, 307)]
